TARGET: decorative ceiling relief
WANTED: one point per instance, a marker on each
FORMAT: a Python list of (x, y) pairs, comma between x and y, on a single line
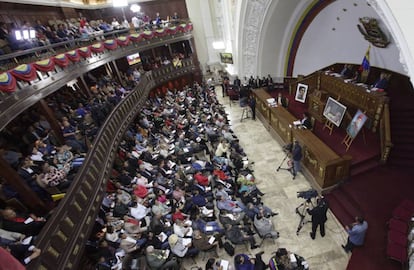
[(255, 11), (372, 32)]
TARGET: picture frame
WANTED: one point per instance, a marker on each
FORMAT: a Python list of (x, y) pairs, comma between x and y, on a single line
[(334, 111), (356, 124), (226, 58), (301, 92)]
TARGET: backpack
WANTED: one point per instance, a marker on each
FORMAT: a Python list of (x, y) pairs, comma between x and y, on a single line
[(229, 248)]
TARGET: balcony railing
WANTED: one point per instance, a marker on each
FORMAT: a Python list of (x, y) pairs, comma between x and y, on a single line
[(26, 84), (63, 238)]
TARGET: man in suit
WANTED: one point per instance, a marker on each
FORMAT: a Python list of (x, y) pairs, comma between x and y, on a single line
[(237, 82), (318, 214), (306, 122)]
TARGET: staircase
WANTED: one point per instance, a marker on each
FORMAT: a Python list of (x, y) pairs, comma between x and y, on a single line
[(343, 205), (402, 135)]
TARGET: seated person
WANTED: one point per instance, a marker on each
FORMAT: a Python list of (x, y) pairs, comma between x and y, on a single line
[(226, 217), (243, 262), (19, 223), (158, 259), (382, 82), (131, 244), (264, 225), (237, 236), (346, 72), (23, 253), (183, 228), (202, 242), (65, 159), (180, 248), (306, 122), (229, 205), (54, 177)]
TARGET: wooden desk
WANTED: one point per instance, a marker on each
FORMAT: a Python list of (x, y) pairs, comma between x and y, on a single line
[(324, 166)]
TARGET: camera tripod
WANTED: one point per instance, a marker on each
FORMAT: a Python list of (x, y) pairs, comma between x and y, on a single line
[(289, 168), (302, 212)]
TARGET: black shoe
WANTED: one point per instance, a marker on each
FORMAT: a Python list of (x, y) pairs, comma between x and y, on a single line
[(254, 247), (346, 250), (312, 236), (274, 214), (323, 235)]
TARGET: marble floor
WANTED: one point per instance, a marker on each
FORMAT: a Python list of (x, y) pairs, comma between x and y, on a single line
[(281, 196)]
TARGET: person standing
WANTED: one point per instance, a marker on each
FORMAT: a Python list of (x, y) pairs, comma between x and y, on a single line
[(252, 104), (319, 218), (296, 157), (356, 234)]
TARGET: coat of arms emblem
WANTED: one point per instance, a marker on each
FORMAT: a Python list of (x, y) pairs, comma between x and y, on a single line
[(372, 32)]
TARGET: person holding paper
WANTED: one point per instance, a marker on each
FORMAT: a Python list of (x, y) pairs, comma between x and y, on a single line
[(306, 122), (181, 247), (29, 225), (158, 259), (204, 242)]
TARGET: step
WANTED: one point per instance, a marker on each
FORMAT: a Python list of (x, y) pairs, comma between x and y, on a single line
[(343, 216), (348, 202)]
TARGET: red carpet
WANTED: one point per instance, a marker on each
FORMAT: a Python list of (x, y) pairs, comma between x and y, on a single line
[(377, 192), (361, 150), (373, 191)]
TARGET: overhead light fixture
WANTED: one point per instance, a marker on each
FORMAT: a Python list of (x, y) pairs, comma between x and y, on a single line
[(119, 3), (135, 8), (218, 45)]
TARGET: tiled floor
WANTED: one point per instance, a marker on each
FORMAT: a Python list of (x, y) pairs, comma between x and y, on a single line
[(281, 196)]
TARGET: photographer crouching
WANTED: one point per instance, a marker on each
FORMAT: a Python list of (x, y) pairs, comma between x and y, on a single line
[(318, 214)]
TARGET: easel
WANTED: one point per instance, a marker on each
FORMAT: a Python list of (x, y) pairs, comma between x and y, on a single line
[(329, 125), (348, 139)]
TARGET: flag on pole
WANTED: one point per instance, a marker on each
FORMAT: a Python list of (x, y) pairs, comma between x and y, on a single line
[(365, 66)]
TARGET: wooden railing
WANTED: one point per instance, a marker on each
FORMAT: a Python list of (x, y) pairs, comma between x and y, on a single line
[(13, 104), (63, 238), (385, 134)]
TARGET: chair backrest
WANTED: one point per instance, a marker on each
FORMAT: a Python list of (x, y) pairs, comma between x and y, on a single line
[(313, 120)]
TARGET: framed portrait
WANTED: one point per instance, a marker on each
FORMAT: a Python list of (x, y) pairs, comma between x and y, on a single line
[(356, 124), (334, 111), (301, 92)]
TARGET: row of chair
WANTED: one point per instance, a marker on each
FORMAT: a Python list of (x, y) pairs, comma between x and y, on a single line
[(398, 231)]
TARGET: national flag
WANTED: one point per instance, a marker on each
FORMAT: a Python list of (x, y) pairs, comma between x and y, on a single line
[(365, 66)]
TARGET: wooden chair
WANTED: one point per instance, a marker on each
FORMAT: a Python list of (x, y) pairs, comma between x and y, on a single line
[(313, 120)]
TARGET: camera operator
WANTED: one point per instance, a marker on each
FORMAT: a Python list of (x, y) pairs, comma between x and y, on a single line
[(318, 214), (296, 157)]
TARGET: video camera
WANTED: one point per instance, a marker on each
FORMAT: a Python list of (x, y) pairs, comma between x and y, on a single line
[(287, 148), (308, 194)]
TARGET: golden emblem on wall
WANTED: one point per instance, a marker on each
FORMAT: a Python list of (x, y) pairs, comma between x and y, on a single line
[(372, 32)]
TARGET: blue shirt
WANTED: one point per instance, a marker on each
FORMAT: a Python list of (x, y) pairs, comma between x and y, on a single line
[(357, 233)]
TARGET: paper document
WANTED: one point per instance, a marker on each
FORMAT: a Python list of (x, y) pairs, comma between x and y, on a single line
[(211, 240), (186, 241), (28, 220), (224, 264)]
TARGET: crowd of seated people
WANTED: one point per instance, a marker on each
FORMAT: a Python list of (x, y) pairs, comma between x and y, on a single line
[(174, 186), (31, 147), (56, 31), (44, 164), (17, 234)]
